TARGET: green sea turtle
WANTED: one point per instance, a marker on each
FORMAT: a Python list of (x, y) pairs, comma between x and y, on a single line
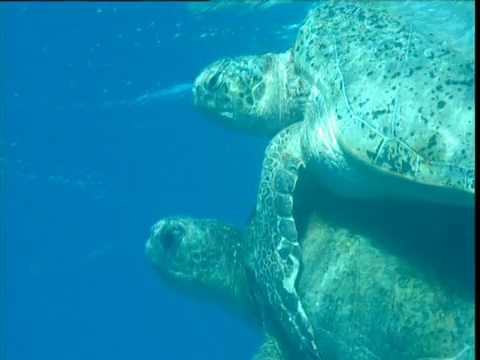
[(365, 297), (378, 109), (381, 98)]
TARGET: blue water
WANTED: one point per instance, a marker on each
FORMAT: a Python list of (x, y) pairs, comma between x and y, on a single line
[(99, 140)]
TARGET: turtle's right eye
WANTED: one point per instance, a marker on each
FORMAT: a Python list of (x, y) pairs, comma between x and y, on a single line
[(172, 236), (213, 83)]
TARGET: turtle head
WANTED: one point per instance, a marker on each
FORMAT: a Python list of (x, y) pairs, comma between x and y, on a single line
[(247, 93), (199, 257)]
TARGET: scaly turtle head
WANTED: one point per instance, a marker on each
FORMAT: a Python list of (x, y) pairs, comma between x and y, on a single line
[(201, 258), (256, 95)]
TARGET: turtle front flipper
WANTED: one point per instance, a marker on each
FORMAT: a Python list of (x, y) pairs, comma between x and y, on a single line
[(272, 251)]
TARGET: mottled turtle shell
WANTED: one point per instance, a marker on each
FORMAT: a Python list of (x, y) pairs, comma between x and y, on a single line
[(399, 99)]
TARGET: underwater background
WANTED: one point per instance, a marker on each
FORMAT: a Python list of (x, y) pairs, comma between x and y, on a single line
[(99, 140)]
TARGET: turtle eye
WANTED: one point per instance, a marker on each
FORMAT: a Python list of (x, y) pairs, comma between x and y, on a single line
[(172, 235), (213, 83)]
